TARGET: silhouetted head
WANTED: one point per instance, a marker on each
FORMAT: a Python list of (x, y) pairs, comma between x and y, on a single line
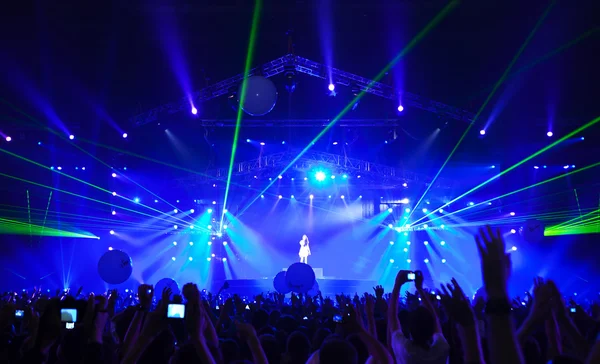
[(422, 327)]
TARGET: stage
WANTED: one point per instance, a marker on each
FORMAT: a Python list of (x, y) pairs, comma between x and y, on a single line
[(328, 286)]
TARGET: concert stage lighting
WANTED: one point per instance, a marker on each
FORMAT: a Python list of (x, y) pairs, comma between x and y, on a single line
[(190, 259), (332, 177), (400, 108), (224, 243), (8, 139), (194, 110), (408, 260), (311, 197), (262, 196), (280, 197), (408, 243), (262, 143), (441, 211), (426, 242), (214, 202), (191, 243), (514, 248), (209, 227), (136, 200), (124, 135), (225, 227), (173, 258), (114, 175), (60, 169), (175, 227), (471, 203), (208, 259), (443, 260), (442, 243), (114, 193), (71, 136), (224, 260), (391, 243), (512, 214), (248, 140), (426, 260), (209, 242), (280, 177), (112, 232), (110, 248), (292, 197), (391, 260), (331, 87), (549, 134), (342, 197), (424, 211), (482, 132), (513, 231), (405, 184), (405, 250), (209, 211), (320, 176), (390, 210), (335, 143)]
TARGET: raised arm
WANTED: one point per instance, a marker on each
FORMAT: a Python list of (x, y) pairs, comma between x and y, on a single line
[(427, 300)]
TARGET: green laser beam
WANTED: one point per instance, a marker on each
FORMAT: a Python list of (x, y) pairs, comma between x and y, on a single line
[(435, 21), (506, 194), (240, 111), (14, 227), (569, 135), (486, 102)]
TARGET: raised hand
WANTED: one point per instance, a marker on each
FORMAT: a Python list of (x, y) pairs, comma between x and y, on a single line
[(245, 331), (457, 304), (378, 292), (419, 279), (542, 299), (401, 278), (495, 263), (369, 304)]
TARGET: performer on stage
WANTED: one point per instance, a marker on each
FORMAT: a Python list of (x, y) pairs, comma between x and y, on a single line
[(304, 250)]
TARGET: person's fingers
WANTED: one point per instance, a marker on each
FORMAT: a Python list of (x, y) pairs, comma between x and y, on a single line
[(444, 291), (480, 247), (483, 236)]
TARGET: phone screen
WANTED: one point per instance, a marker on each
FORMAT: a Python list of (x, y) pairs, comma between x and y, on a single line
[(410, 276), (68, 315), (19, 313), (337, 318), (573, 309), (176, 310)]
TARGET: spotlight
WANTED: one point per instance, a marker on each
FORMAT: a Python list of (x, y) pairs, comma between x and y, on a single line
[(482, 132), (360, 196), (549, 134), (59, 168), (112, 232), (513, 231), (224, 260), (190, 259), (425, 226), (124, 135), (408, 260), (209, 227), (329, 196), (175, 227), (391, 260), (40, 143), (405, 250), (442, 243), (342, 197), (391, 243), (390, 210), (280, 197), (136, 200), (262, 143), (332, 177), (192, 227), (426, 242), (536, 167), (262, 196), (471, 203), (443, 261), (209, 242), (155, 201), (212, 255), (358, 176), (83, 168), (400, 108), (408, 243), (405, 184), (331, 87), (493, 166), (335, 143), (71, 136), (390, 226), (283, 142), (110, 248), (248, 140), (514, 248), (209, 211), (8, 139), (114, 212), (311, 197), (224, 243), (512, 214), (292, 197), (582, 138), (442, 227), (208, 259), (426, 260), (173, 258), (194, 110), (441, 211), (225, 227), (320, 176), (424, 211), (114, 193), (214, 202), (280, 177), (566, 167), (407, 210), (175, 211), (114, 175)]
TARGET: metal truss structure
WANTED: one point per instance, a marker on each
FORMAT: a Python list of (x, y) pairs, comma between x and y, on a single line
[(363, 173), (299, 123), (293, 63)]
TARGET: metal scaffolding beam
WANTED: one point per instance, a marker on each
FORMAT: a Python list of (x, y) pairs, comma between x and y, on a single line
[(359, 171), (311, 68), (299, 123)]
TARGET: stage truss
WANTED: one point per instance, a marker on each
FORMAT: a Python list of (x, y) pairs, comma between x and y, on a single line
[(297, 64), (362, 173)]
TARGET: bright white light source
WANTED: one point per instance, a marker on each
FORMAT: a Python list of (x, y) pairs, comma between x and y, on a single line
[(331, 87), (194, 110), (549, 134), (400, 108), (482, 132), (112, 232), (124, 135), (114, 175), (71, 136)]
